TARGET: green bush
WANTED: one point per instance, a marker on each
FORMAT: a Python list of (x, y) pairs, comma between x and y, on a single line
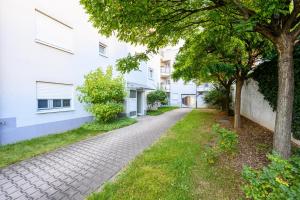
[(217, 98), (226, 143), (279, 180), (106, 112), (103, 94), (266, 75), (157, 96), (228, 140)]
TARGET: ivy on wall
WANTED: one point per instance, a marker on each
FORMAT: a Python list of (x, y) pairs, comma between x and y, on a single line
[(266, 76)]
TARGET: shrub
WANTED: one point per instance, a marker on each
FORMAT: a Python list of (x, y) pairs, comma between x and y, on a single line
[(279, 180), (103, 94), (217, 98), (227, 140), (157, 96)]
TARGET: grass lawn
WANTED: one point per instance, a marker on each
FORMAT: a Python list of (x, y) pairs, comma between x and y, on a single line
[(174, 167), (161, 110), (12, 153)]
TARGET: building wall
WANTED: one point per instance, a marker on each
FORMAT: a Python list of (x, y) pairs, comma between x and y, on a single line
[(255, 107), (24, 61), (179, 89)]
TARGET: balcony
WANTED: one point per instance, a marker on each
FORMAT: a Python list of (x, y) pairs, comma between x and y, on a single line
[(165, 71)]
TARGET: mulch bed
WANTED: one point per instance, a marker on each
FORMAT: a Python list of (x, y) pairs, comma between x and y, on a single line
[(255, 142)]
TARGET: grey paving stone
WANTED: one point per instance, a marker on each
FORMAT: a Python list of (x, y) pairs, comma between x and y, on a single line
[(73, 172)]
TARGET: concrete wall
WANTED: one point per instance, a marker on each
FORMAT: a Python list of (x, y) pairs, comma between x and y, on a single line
[(255, 107), (24, 61)]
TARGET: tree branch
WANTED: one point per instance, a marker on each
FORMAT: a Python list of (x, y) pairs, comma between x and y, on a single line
[(246, 12), (293, 16)]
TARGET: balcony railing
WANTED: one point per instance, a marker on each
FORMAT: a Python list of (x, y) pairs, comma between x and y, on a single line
[(165, 70)]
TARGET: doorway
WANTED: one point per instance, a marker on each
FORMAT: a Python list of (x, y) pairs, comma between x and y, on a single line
[(188, 100), (139, 102)]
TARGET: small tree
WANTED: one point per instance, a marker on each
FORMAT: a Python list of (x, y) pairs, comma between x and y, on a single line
[(103, 94), (156, 97)]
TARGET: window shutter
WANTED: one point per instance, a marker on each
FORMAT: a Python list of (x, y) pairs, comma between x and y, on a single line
[(54, 91)]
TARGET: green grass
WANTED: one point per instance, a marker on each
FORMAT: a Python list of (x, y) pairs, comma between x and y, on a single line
[(161, 110), (174, 168), (12, 153)]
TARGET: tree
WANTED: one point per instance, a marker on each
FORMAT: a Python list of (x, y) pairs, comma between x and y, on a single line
[(155, 23), (198, 61), (157, 96), (103, 94), (221, 55)]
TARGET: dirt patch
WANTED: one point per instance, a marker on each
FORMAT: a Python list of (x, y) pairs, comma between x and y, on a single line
[(255, 142)]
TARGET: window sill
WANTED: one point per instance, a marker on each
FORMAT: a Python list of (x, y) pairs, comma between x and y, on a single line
[(55, 110), (103, 55), (53, 46)]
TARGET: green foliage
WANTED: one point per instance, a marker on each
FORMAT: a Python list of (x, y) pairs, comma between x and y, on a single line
[(103, 94), (131, 62), (158, 23), (266, 75), (279, 180), (157, 96), (216, 97), (226, 143), (101, 126), (107, 111)]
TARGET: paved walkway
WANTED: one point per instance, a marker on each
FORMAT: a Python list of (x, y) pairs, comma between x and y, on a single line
[(77, 170)]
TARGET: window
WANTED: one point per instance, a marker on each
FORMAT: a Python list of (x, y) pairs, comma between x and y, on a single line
[(53, 32), (47, 104), (54, 96), (102, 49), (132, 94), (57, 103), (66, 103), (150, 73), (43, 104)]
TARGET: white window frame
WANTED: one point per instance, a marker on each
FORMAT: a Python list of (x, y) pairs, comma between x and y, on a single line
[(150, 73), (130, 94), (51, 108), (104, 46)]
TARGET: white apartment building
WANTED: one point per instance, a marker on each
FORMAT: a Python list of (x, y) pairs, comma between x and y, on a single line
[(179, 93), (46, 48)]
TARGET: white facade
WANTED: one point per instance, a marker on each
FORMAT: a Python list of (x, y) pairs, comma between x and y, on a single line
[(46, 48), (180, 93), (255, 107)]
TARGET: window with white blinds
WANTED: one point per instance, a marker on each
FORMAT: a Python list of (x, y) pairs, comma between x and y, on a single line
[(53, 95), (53, 33)]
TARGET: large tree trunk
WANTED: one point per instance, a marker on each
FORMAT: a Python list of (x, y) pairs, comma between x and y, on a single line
[(237, 103), (285, 99)]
